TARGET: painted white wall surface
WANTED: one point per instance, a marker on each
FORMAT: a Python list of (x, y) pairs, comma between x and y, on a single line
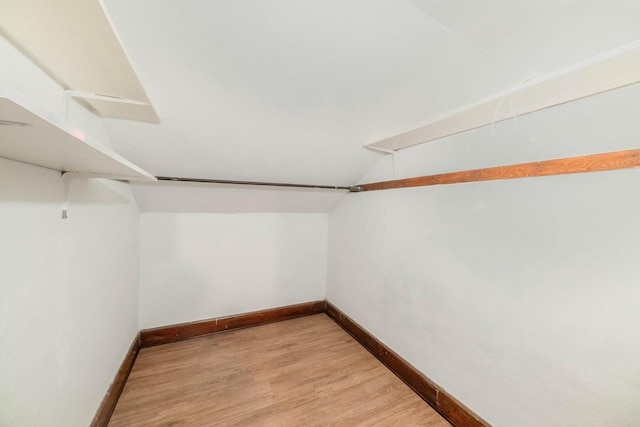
[(518, 297), (199, 266), (68, 289), (68, 294), (176, 197)]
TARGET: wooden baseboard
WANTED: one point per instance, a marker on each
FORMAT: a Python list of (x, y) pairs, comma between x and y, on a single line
[(183, 331), (455, 412), (103, 414), (441, 401)]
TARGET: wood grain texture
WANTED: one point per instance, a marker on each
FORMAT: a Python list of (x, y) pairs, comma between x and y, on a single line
[(447, 406), (183, 331), (581, 164), (110, 399), (302, 372)]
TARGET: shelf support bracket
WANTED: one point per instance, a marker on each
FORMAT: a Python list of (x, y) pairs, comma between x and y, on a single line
[(68, 177), (68, 94)]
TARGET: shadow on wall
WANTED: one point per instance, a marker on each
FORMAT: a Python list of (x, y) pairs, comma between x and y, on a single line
[(218, 198), (84, 191), (198, 266)]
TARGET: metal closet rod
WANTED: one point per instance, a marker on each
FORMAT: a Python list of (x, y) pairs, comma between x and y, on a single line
[(351, 189)]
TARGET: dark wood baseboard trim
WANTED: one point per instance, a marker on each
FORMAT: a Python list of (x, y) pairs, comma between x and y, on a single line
[(455, 412), (103, 414), (183, 331)]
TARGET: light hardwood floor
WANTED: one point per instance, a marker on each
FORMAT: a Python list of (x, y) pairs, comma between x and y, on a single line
[(301, 372)]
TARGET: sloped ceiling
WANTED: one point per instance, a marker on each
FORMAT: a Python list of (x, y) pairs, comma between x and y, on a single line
[(290, 90), (73, 41)]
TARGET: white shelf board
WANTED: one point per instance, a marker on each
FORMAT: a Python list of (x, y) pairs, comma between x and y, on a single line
[(44, 143), (612, 70)]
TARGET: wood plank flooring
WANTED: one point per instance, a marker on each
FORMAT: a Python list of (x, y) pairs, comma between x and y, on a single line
[(300, 372)]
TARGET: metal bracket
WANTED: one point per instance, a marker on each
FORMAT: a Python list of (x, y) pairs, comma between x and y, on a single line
[(68, 177)]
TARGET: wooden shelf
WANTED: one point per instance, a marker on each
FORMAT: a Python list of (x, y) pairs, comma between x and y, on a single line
[(41, 142)]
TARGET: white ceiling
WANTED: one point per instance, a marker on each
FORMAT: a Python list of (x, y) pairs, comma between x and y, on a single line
[(274, 90), (224, 198), (290, 90), (75, 44)]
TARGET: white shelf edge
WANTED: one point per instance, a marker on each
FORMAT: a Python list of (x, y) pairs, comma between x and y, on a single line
[(127, 170), (611, 70)]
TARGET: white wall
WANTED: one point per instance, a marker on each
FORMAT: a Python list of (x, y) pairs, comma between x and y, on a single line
[(69, 297), (68, 289), (518, 297), (196, 266)]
